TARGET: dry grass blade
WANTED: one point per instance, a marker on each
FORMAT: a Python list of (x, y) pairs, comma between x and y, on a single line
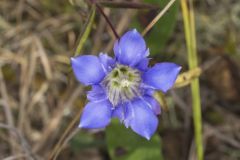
[(43, 58), (38, 96), (186, 78), (152, 23), (55, 121), (28, 71)]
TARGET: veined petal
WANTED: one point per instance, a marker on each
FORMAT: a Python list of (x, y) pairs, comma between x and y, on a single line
[(146, 89), (131, 48), (119, 112), (87, 69), (96, 94), (107, 62), (129, 114), (144, 121), (143, 64), (96, 115), (162, 76), (153, 104), (124, 113)]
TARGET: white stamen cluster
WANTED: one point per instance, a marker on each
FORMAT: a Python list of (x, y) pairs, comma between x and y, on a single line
[(122, 84)]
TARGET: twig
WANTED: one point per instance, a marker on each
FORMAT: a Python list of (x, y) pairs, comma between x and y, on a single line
[(108, 21), (152, 23), (121, 26), (68, 138), (57, 147)]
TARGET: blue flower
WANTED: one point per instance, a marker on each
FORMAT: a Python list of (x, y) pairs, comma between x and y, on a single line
[(123, 87)]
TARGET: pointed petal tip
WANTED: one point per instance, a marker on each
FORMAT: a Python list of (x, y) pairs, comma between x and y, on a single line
[(179, 67), (87, 69), (145, 122), (162, 76), (131, 48), (147, 53), (135, 30), (80, 125), (148, 137), (96, 115), (72, 59)]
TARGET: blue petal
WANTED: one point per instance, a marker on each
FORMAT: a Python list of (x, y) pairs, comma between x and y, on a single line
[(119, 112), (153, 104), (131, 48), (144, 121), (87, 69), (143, 64), (124, 113), (96, 115), (146, 89), (162, 76), (107, 62), (129, 114), (96, 94)]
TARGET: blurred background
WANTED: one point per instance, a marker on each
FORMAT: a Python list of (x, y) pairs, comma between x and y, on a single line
[(40, 98)]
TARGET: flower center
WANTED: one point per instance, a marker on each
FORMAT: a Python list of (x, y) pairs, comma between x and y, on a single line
[(122, 84)]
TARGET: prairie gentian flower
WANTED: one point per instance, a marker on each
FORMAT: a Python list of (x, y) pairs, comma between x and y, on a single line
[(123, 87)]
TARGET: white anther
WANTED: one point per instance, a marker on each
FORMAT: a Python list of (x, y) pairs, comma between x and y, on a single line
[(125, 83)]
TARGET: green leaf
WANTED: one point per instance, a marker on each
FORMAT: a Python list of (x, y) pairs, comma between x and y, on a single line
[(84, 141), (160, 33), (133, 5), (124, 144)]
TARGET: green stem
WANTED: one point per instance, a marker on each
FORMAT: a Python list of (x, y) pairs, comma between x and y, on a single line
[(190, 35), (86, 31)]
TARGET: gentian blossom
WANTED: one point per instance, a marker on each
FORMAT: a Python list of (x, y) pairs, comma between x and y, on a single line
[(123, 87)]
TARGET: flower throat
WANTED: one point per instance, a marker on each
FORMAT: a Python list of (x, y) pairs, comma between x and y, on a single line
[(122, 84)]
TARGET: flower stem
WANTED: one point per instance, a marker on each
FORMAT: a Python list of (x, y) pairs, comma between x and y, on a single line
[(107, 20), (86, 31), (190, 35), (94, 2)]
